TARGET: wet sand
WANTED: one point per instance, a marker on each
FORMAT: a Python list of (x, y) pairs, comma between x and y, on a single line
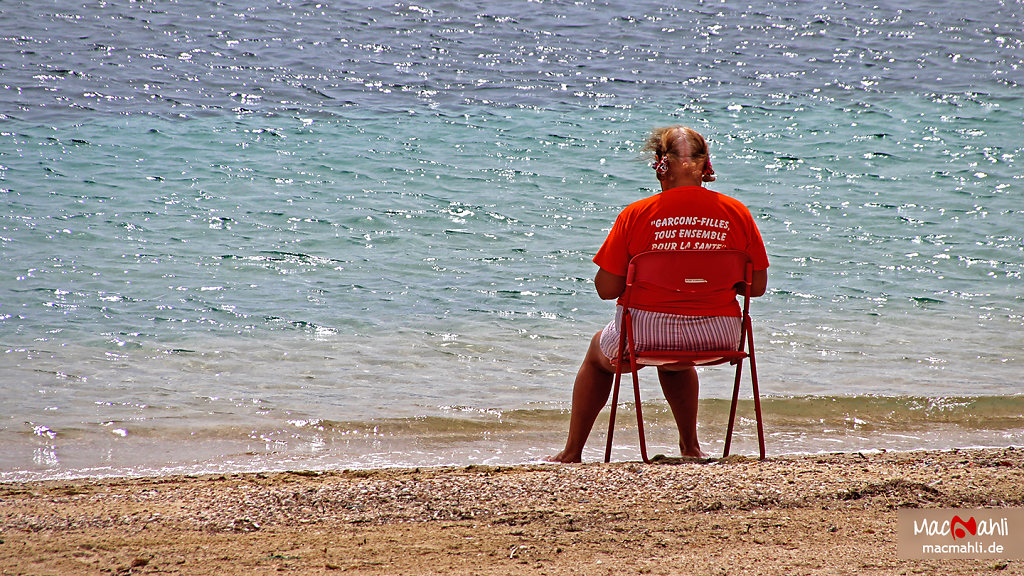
[(818, 514)]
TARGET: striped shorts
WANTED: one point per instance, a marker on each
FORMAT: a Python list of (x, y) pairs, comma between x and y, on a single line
[(661, 331)]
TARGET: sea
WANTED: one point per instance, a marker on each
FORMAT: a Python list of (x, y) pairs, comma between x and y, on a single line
[(331, 234)]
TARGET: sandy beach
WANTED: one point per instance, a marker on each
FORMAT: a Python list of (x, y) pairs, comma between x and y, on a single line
[(818, 514)]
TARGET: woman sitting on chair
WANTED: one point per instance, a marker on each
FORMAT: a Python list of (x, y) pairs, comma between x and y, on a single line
[(685, 215)]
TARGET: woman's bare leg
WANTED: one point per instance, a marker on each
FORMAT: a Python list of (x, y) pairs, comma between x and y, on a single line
[(682, 389), (589, 395)]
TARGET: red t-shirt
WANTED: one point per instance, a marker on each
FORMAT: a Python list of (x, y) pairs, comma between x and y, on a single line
[(684, 218)]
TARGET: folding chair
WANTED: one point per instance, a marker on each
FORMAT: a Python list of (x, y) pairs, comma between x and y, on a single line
[(687, 274)]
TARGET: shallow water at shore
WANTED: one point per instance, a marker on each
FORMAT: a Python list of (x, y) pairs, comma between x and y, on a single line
[(263, 438)]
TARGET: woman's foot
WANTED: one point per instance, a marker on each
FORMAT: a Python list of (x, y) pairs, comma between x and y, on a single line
[(692, 452), (565, 457)]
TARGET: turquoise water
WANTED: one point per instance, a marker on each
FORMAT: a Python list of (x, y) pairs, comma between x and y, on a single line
[(332, 235)]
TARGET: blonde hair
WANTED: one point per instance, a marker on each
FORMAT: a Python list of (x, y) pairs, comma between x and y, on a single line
[(681, 142)]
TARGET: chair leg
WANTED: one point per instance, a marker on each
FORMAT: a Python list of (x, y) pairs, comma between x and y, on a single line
[(757, 395), (732, 409), (611, 414), (623, 338), (760, 425), (639, 415), (736, 393)]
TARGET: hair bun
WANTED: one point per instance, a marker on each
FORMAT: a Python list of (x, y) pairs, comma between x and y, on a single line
[(709, 173)]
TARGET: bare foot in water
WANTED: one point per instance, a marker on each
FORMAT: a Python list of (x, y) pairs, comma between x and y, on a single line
[(565, 457), (693, 452)]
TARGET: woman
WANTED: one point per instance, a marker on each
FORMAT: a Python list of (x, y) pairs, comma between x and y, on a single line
[(685, 215)]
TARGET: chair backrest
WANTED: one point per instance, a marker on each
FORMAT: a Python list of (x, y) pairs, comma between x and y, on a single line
[(666, 276), (686, 275)]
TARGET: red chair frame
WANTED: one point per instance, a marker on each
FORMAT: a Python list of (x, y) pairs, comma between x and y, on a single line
[(688, 273)]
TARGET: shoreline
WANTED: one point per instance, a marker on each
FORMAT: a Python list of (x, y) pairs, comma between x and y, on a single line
[(801, 425), (809, 514)]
